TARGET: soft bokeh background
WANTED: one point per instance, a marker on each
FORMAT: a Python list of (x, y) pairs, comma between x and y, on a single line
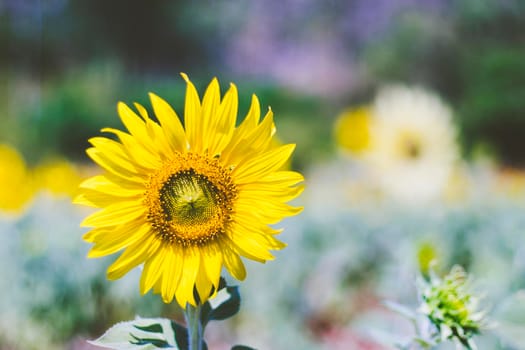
[(443, 81)]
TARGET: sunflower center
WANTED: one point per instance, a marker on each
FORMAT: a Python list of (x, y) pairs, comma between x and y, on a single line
[(190, 200)]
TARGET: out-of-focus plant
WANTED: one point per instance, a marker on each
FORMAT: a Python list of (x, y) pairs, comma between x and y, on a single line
[(405, 142), (427, 257), (492, 109), (47, 298), (473, 57), (67, 115), (58, 176), (16, 185), (450, 309), (413, 146), (352, 130)]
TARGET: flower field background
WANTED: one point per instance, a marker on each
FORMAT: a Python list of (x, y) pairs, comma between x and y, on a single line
[(409, 120)]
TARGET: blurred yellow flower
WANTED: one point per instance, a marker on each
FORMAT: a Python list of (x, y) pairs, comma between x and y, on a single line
[(427, 256), (186, 201), (413, 148), (16, 188), (352, 130), (58, 176)]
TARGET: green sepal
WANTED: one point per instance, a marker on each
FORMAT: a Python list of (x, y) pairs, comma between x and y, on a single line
[(242, 347)]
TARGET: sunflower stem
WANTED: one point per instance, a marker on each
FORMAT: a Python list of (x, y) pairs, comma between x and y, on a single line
[(195, 330)]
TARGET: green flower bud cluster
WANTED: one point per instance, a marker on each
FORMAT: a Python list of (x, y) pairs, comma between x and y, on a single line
[(451, 308)]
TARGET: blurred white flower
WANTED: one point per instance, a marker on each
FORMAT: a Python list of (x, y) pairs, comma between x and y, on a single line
[(413, 146)]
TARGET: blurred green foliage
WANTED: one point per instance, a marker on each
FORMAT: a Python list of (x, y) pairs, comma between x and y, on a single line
[(65, 64), (74, 108), (493, 107), (475, 59)]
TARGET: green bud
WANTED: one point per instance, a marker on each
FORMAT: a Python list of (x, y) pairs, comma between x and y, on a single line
[(451, 308)]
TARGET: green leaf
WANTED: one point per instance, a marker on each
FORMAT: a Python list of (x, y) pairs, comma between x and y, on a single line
[(509, 320), (427, 344), (225, 304), (242, 347), (181, 335), (141, 333), (401, 309)]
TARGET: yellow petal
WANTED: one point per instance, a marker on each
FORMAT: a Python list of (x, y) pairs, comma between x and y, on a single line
[(223, 124), (142, 154), (92, 235), (192, 116), (135, 125), (171, 276), (210, 104), (260, 192), (282, 178), (134, 255), (241, 133), (142, 111), (113, 166), (245, 253), (101, 183), (153, 270), (101, 200), (117, 239), (156, 134), (115, 214), (81, 199), (127, 182), (252, 117), (203, 285), (253, 143), (265, 240), (253, 224), (233, 263), (269, 212), (260, 166), (190, 269), (249, 242), (170, 123), (212, 262)]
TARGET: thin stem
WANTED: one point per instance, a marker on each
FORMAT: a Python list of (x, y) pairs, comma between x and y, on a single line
[(195, 331)]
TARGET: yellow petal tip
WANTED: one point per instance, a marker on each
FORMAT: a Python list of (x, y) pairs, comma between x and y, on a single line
[(93, 253), (185, 77), (152, 95)]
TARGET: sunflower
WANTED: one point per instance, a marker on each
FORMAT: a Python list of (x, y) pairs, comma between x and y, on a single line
[(186, 201)]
